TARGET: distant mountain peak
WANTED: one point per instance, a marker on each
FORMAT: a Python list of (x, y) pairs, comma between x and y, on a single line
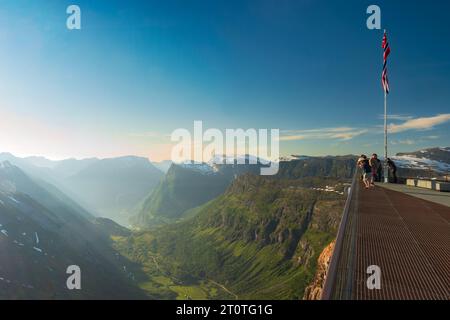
[(436, 159), (227, 159), (200, 167)]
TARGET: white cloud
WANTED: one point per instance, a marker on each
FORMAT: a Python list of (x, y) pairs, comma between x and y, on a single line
[(338, 133), (401, 117), (424, 123), (407, 142)]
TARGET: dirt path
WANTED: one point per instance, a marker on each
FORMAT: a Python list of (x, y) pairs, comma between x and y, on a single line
[(224, 288), (209, 280)]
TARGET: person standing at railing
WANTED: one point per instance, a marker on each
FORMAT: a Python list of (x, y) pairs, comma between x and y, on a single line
[(392, 169), (363, 163), (375, 165)]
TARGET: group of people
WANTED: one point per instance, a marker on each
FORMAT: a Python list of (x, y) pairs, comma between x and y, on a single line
[(373, 169)]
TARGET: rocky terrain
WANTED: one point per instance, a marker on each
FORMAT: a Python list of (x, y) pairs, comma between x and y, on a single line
[(314, 290)]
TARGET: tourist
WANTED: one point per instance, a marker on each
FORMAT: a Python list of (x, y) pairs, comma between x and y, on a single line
[(392, 169), (363, 163), (375, 165)]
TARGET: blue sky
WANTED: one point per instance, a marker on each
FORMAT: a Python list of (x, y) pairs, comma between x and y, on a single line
[(137, 70)]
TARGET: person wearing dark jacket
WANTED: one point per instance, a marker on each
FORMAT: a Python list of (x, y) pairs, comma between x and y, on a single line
[(375, 164), (392, 169), (380, 172)]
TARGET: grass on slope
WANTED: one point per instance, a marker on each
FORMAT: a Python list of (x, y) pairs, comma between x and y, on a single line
[(260, 240)]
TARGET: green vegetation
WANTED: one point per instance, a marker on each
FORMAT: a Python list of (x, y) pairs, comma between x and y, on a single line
[(184, 189), (259, 240), (339, 167), (180, 190)]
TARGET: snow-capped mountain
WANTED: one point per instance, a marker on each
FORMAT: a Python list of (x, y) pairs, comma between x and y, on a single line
[(436, 159), (218, 162), (294, 157), (201, 167), (241, 159)]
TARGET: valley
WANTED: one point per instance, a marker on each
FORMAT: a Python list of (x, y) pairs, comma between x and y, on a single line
[(40, 239), (259, 240), (199, 231)]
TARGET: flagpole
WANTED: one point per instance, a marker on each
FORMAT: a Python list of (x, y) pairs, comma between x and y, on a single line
[(386, 168)]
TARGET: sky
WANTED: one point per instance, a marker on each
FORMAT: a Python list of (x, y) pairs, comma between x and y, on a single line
[(138, 70)]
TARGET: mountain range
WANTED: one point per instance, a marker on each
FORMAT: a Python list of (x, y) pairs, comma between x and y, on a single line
[(132, 189), (110, 188), (187, 186), (42, 232), (260, 239), (433, 160), (202, 230)]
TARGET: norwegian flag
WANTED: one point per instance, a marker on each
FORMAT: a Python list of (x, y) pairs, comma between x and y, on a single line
[(386, 52)]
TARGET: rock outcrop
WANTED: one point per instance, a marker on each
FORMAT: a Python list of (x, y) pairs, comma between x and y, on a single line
[(314, 290)]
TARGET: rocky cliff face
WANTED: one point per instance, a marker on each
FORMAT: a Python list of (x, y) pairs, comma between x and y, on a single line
[(314, 290)]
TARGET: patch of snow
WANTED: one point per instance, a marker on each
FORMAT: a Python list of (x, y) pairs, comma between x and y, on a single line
[(12, 198), (4, 232), (18, 243), (197, 166), (410, 161), (37, 249), (294, 157), (241, 159)]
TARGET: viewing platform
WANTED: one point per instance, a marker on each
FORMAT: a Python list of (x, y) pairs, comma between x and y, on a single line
[(404, 231), (442, 198)]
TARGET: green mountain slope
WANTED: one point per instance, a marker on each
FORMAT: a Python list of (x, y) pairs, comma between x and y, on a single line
[(341, 167), (259, 240), (180, 190), (185, 188)]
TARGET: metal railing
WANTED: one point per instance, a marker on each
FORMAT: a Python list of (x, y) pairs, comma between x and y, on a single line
[(331, 275)]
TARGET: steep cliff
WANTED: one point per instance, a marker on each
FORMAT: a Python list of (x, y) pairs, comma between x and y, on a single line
[(314, 290)]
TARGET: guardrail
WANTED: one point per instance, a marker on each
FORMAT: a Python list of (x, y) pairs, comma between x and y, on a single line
[(427, 179), (330, 279)]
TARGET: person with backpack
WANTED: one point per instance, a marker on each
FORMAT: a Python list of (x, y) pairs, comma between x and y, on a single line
[(363, 163)]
